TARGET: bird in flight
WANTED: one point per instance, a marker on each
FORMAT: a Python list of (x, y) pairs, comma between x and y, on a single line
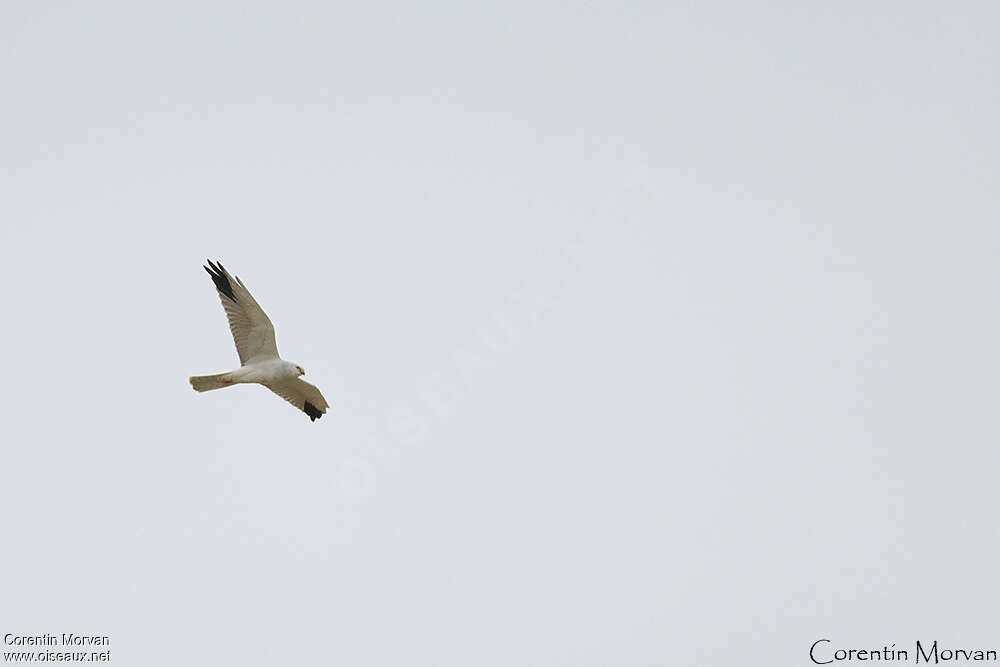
[(259, 360)]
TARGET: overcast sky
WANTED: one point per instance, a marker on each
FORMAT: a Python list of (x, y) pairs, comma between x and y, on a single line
[(653, 334)]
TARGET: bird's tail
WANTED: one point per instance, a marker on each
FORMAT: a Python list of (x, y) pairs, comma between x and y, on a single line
[(210, 382)]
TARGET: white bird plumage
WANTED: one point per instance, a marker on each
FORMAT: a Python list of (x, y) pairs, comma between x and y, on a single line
[(254, 336)]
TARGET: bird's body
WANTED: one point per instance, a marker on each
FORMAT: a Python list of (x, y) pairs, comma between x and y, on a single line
[(259, 372), (254, 336)]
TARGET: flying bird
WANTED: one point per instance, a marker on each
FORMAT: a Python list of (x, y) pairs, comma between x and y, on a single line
[(260, 363)]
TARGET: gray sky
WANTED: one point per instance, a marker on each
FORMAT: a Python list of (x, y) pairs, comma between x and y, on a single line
[(652, 334)]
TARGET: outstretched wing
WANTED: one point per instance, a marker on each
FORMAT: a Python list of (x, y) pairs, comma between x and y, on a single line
[(252, 330), (302, 395)]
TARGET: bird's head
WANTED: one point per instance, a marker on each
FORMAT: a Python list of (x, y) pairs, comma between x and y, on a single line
[(300, 370)]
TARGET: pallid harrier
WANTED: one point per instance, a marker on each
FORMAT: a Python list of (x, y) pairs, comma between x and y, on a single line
[(260, 363)]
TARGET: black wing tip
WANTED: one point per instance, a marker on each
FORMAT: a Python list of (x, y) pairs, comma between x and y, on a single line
[(311, 410), (218, 273)]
